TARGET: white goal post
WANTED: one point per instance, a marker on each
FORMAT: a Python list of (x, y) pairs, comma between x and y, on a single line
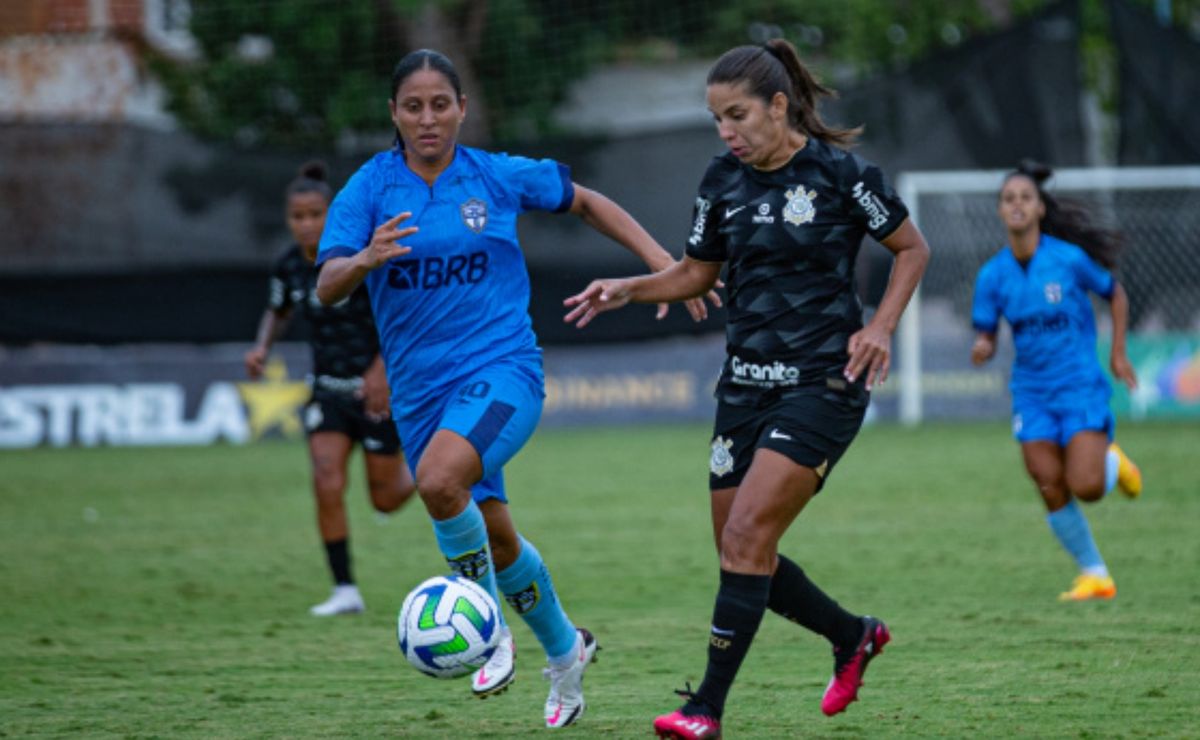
[(1157, 208)]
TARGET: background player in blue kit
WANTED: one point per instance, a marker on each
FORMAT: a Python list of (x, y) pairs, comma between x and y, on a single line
[(349, 401), (1039, 283), (451, 305), (785, 211)]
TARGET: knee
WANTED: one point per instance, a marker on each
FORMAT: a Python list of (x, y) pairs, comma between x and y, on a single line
[(1054, 494), (385, 499), (441, 490), (1086, 486), (388, 495), (743, 544), (329, 481), (1051, 487)]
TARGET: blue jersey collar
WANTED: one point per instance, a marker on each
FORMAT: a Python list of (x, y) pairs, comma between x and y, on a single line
[(1012, 255), (402, 164)]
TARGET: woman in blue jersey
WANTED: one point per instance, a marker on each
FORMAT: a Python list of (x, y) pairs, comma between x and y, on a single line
[(349, 401), (1040, 284), (784, 211), (451, 305)]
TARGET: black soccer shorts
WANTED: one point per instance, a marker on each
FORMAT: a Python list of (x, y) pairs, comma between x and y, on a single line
[(329, 411), (810, 425)]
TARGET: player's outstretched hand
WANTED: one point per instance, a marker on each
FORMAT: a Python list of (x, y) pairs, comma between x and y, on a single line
[(696, 306), (384, 242), (870, 352), (600, 296), (1122, 369)]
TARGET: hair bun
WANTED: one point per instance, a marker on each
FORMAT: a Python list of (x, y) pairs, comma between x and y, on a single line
[(1039, 172), (314, 170)]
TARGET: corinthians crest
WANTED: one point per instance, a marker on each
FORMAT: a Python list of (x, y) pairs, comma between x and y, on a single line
[(721, 461), (799, 209), (474, 214)]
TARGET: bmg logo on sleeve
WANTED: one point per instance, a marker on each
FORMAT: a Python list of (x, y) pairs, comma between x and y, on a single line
[(432, 273)]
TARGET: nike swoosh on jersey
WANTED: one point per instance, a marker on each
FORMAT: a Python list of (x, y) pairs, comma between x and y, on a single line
[(729, 212)]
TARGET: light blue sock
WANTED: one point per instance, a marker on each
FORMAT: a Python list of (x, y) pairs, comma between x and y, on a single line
[(1071, 528), (1112, 464), (527, 587), (463, 540)]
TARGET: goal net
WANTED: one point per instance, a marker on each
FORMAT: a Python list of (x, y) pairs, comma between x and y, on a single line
[(1158, 210)]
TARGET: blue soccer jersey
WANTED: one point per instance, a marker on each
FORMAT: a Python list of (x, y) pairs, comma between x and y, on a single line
[(460, 299), (1046, 303)]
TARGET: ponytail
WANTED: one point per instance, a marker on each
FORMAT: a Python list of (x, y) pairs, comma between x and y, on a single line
[(775, 67), (806, 93)]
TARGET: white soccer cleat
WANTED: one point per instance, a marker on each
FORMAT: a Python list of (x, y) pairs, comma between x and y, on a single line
[(565, 703), (500, 670), (343, 600)]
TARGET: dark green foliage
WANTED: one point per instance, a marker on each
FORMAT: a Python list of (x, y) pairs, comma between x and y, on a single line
[(331, 63), (324, 75)]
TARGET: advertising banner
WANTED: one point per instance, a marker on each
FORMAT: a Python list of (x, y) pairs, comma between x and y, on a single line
[(61, 396), (176, 394), (1168, 370)]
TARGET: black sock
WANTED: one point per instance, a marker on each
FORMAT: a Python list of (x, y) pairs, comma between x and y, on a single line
[(795, 597), (741, 603), (338, 554)]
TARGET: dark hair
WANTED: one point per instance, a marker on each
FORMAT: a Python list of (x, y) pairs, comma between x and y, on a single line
[(1069, 219), (775, 67), (312, 177), (425, 59)]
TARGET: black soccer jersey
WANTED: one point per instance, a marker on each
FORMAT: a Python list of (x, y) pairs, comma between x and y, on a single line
[(344, 341), (790, 238)]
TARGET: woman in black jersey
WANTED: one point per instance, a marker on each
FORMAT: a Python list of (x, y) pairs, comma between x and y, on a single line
[(785, 211), (349, 388)]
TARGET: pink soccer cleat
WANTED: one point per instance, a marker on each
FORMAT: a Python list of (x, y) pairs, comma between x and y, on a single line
[(849, 667)]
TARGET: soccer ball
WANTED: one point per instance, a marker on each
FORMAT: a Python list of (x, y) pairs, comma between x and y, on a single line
[(448, 627)]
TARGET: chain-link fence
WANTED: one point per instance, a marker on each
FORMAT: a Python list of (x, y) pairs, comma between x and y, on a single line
[(1156, 209)]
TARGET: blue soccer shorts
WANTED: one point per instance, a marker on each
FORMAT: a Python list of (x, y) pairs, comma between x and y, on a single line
[(496, 409), (1059, 422)]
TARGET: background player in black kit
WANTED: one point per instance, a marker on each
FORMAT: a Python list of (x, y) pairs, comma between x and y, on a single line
[(785, 210), (349, 387)]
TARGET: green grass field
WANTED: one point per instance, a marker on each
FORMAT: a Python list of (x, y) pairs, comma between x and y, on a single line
[(164, 593)]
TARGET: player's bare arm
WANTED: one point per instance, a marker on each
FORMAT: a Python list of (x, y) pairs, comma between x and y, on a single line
[(1118, 361), (685, 279), (608, 218), (270, 327), (341, 275), (870, 348)]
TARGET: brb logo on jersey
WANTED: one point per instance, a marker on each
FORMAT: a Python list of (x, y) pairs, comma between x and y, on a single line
[(432, 273)]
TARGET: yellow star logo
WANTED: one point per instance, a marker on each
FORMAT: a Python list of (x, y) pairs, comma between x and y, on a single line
[(275, 402)]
